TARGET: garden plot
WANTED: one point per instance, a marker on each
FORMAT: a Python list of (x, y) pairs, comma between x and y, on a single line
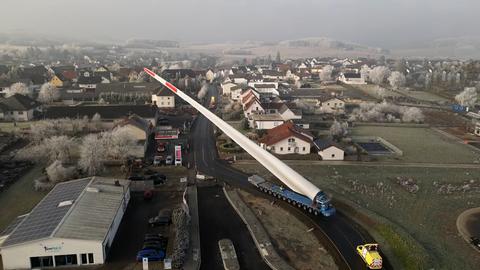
[(422, 145), (415, 209)]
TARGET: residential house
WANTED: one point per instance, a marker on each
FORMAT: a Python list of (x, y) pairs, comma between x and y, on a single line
[(226, 88), (247, 92), (252, 106), (140, 130), (477, 129), (351, 78), (273, 74), (164, 98), (239, 78), (289, 114), (329, 150), (266, 89), (58, 81), (18, 108), (88, 81), (173, 74), (331, 104), (287, 139), (265, 121), (236, 92)]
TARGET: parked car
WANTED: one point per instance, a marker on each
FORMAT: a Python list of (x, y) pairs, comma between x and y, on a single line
[(169, 160), (151, 254), (136, 178), (163, 218), (153, 237), (157, 178), (157, 160)]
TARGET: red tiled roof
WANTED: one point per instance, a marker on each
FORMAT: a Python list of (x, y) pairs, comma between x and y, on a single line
[(69, 74), (284, 131), (246, 98)]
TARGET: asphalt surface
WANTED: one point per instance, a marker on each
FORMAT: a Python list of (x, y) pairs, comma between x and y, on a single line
[(341, 233), (218, 220)]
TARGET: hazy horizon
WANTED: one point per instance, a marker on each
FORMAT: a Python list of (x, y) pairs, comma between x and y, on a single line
[(376, 23)]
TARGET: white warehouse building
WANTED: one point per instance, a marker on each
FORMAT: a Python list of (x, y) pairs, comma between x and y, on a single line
[(74, 224)]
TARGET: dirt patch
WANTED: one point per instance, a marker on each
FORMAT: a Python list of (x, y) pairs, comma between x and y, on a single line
[(291, 237)]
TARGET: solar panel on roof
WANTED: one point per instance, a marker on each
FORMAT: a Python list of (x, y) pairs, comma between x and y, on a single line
[(46, 216)]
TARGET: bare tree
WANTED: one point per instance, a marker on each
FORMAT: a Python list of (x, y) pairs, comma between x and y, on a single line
[(412, 114), (386, 112), (48, 93), (326, 73), (397, 79), (18, 88), (467, 97), (378, 74), (49, 149), (92, 154), (118, 144)]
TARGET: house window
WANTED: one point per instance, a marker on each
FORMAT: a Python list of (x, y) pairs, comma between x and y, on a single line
[(289, 149), (168, 103), (20, 113), (70, 259), (90, 258), (281, 149), (162, 103), (303, 148), (83, 258), (36, 262), (291, 140), (272, 148), (333, 155)]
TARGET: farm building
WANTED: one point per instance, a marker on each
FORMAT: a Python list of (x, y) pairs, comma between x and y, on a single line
[(74, 224), (329, 150)]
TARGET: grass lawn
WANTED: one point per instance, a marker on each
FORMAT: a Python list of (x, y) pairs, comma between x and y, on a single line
[(20, 197), (421, 144), (425, 218), (9, 127)]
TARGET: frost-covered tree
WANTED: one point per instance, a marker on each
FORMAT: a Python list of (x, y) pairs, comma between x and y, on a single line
[(97, 121), (203, 91), (49, 149), (17, 88), (118, 143), (397, 79), (412, 115), (467, 97), (338, 130), (56, 172), (326, 73), (48, 93), (92, 154), (378, 74), (364, 72)]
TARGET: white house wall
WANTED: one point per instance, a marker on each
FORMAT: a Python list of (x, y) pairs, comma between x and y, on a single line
[(282, 147), (18, 257), (332, 153)]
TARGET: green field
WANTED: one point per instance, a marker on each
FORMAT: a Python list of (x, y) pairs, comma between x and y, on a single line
[(427, 216), (20, 197), (421, 144)]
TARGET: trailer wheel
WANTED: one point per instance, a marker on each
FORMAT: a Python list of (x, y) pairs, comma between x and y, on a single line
[(283, 198), (294, 203), (269, 192), (304, 207), (289, 201), (315, 213), (310, 210)]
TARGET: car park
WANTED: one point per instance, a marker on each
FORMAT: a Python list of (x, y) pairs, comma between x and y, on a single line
[(157, 160)]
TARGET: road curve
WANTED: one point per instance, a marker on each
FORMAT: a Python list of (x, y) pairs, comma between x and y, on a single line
[(340, 234)]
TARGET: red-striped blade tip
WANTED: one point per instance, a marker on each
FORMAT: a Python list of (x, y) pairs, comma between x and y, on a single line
[(149, 72)]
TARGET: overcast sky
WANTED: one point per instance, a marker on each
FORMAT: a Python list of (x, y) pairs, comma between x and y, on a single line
[(383, 23)]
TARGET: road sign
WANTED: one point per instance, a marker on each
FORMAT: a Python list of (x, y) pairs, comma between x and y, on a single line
[(145, 263)]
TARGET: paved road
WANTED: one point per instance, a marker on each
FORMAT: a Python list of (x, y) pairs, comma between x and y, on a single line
[(342, 232), (218, 220)]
